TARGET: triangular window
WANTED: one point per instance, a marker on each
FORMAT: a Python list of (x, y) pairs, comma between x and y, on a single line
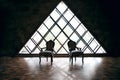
[(60, 26)]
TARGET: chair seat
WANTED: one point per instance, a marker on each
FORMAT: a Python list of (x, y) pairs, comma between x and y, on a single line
[(76, 53), (46, 53)]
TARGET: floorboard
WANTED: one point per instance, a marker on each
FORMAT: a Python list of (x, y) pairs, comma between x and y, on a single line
[(28, 68)]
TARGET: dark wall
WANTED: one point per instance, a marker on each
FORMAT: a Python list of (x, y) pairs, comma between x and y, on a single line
[(20, 18)]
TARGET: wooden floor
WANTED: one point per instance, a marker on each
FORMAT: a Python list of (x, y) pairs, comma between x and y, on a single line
[(94, 68)]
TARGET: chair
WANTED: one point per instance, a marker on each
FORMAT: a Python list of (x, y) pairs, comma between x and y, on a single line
[(74, 51), (48, 52)]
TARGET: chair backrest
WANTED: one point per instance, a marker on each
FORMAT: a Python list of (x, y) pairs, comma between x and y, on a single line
[(71, 45), (50, 45)]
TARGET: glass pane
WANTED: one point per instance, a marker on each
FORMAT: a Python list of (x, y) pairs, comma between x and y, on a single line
[(66, 46), (36, 51), (49, 37), (93, 45), (57, 45), (30, 44), (81, 45), (36, 37), (62, 38), (42, 29), (74, 22), (61, 23), (56, 30), (42, 44), (61, 7), (62, 51), (88, 51), (68, 15), (55, 15), (23, 51), (98, 45), (87, 37), (96, 48), (49, 22), (68, 30), (101, 50), (74, 37), (80, 30)]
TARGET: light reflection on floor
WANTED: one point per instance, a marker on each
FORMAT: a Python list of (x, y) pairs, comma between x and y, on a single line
[(62, 69), (94, 68)]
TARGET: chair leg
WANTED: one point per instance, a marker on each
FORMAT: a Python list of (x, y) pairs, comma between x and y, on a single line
[(72, 59), (51, 59), (75, 59), (47, 59), (39, 59), (82, 60)]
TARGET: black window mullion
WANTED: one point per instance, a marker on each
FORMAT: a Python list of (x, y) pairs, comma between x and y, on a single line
[(87, 45), (57, 10), (27, 49), (35, 45), (89, 42), (98, 48), (81, 37), (95, 47), (46, 32), (41, 39)]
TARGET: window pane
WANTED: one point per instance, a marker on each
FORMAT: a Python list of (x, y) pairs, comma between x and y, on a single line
[(74, 22), (49, 22), (56, 30), (62, 51), (49, 37), (66, 46), (93, 45), (74, 37), (98, 45), (81, 45), (23, 50), (42, 29), (36, 51), (36, 37), (88, 51), (101, 50), (81, 29), (62, 38), (57, 45), (68, 15), (87, 37), (30, 44), (55, 15), (68, 30), (61, 23), (42, 44), (61, 7)]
